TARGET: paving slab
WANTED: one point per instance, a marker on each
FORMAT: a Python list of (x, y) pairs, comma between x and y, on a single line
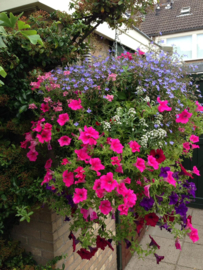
[(197, 217), (191, 256), (185, 268), (147, 264)]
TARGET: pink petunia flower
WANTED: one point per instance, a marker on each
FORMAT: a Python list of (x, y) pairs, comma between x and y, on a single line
[(23, 144), (134, 146), (65, 161), (32, 155), (80, 195), (63, 118), (47, 126), (130, 198), (194, 146), (45, 136), (170, 178), (89, 212), (48, 164), (96, 165), (122, 189), (123, 209), (152, 162), (186, 145), (64, 140), (32, 145), (97, 187), (146, 190), (68, 178), (140, 164), (127, 180), (66, 72), (105, 207), (32, 106), (44, 107), (199, 107), (116, 146), (112, 77), (177, 244), (75, 104), (193, 232), (89, 135), (196, 171), (183, 117), (47, 177), (181, 129), (47, 99), (65, 93), (119, 169), (109, 97), (107, 182), (115, 161), (163, 106), (82, 154), (194, 138)]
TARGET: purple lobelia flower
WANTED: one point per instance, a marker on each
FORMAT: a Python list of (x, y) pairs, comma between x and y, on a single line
[(128, 243), (147, 203)]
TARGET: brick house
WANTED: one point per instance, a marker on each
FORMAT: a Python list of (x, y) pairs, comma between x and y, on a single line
[(178, 23), (47, 235)]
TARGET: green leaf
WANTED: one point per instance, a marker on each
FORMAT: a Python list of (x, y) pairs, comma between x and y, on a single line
[(28, 32), (5, 21), (3, 31), (2, 44), (22, 25), (3, 196), (34, 39), (1, 83), (22, 108), (2, 72)]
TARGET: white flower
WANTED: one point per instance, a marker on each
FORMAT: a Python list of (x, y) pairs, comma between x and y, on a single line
[(146, 99)]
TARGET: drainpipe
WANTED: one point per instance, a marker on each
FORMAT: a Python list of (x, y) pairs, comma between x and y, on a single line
[(118, 247)]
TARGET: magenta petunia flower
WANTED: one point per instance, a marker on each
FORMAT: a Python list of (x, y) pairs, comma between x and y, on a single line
[(119, 169), (177, 244), (194, 138), (109, 97), (32, 155), (146, 190), (64, 140), (97, 187), (163, 106), (68, 178), (47, 126), (89, 212), (89, 136), (193, 232), (186, 145), (44, 107), (199, 107), (152, 162), (134, 146), (48, 164), (122, 189), (96, 165), (170, 178), (105, 207), (45, 136), (65, 161), (75, 104), (196, 171), (47, 177), (123, 209), (140, 164), (130, 198), (23, 144), (116, 146), (80, 195), (115, 161), (183, 117), (63, 118), (194, 146), (107, 182), (82, 154)]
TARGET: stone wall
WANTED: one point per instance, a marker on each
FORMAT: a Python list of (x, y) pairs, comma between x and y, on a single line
[(46, 236)]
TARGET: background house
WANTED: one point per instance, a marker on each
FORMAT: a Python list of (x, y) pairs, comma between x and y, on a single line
[(179, 23)]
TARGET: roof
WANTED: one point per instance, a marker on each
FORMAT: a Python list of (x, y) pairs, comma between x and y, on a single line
[(169, 21)]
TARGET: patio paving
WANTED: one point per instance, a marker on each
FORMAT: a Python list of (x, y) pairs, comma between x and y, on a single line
[(190, 258)]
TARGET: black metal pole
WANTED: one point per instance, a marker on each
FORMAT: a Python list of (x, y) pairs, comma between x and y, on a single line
[(118, 247)]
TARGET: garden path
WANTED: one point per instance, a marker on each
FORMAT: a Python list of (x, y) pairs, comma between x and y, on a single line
[(190, 258)]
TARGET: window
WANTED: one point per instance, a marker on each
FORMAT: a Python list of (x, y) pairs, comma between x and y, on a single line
[(183, 46), (200, 46), (185, 10)]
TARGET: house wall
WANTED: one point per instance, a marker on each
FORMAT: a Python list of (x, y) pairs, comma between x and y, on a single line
[(46, 236)]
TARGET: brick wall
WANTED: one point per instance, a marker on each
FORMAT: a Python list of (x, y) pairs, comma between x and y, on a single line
[(46, 236)]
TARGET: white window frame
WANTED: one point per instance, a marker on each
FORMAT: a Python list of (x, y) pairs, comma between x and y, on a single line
[(194, 41)]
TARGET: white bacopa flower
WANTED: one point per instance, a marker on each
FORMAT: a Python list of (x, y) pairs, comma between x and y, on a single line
[(119, 111), (106, 125), (146, 99), (139, 90)]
